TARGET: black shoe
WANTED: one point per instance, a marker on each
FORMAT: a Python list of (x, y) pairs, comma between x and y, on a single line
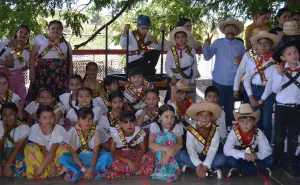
[(234, 172)]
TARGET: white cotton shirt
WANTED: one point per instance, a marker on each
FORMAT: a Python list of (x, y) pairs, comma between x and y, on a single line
[(241, 71), (195, 147), (56, 137), (289, 95), (17, 63), (72, 116), (98, 101), (133, 46), (264, 148), (116, 137), (177, 130), (16, 134), (221, 122), (185, 61), (146, 118), (43, 42), (256, 80), (64, 99)]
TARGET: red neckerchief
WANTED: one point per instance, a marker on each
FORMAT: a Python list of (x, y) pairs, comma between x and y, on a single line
[(181, 49), (263, 58), (247, 138), (183, 110), (290, 70)]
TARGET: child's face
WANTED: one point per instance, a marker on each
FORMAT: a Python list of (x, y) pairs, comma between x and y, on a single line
[(92, 71), (86, 123), (3, 85), (246, 123), (45, 98), (212, 97), (180, 95), (137, 80), (264, 46), (230, 31), (117, 104), (167, 119), (128, 126), (23, 34), (113, 87), (74, 85), (180, 38), (55, 31), (263, 19), (46, 119), (204, 118), (143, 29), (84, 98), (152, 100), (290, 55), (9, 116)]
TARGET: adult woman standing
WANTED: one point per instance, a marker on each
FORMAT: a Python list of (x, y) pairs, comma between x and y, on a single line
[(283, 15)]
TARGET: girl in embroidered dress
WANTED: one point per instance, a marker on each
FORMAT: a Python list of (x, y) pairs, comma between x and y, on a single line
[(85, 159), (13, 135), (166, 140), (129, 149), (50, 61), (90, 79), (19, 55), (181, 62), (45, 97), (84, 99), (44, 149)]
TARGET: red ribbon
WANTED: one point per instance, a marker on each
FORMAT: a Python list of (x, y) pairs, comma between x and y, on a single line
[(290, 70), (181, 49)]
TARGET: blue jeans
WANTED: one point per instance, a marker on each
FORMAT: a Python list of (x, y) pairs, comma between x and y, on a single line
[(183, 158), (226, 100), (265, 121), (248, 168)]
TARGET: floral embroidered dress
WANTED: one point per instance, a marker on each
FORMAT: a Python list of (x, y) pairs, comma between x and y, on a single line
[(171, 170), (34, 156), (84, 147), (51, 67), (127, 147), (20, 132)]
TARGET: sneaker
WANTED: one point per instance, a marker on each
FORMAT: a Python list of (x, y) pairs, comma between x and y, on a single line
[(183, 168), (215, 173), (234, 172)]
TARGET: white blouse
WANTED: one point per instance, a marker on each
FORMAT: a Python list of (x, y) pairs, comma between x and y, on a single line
[(177, 130), (56, 136), (116, 137), (72, 138), (64, 99), (98, 101), (18, 65), (146, 118), (16, 134), (72, 116), (43, 42)]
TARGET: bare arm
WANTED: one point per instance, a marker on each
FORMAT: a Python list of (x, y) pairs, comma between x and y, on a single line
[(48, 155), (9, 62), (76, 158), (140, 118), (142, 146), (32, 57), (154, 146), (115, 154), (15, 152), (179, 144)]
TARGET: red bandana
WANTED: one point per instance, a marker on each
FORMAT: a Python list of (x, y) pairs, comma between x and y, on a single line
[(263, 58), (290, 70), (181, 49), (247, 138)]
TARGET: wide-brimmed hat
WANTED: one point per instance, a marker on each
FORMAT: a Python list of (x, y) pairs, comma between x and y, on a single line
[(176, 30), (232, 21), (283, 46), (195, 108), (266, 35), (184, 85), (246, 110), (291, 28)]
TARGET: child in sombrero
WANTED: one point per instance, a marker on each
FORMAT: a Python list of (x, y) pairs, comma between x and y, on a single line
[(247, 148)]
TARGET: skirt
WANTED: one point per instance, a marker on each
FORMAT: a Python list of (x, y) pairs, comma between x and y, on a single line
[(18, 85), (119, 168), (7, 72), (18, 167), (34, 158), (51, 72), (103, 162)]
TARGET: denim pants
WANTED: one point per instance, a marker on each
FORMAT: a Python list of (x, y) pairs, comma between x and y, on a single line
[(265, 121), (248, 168), (183, 158), (226, 100)]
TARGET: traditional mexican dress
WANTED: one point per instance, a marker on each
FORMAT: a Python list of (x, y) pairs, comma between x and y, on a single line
[(4, 51), (67, 102), (102, 102), (171, 170), (127, 147), (148, 119), (33, 154), (20, 132), (51, 66), (108, 121), (136, 97), (84, 147), (72, 116), (10, 97)]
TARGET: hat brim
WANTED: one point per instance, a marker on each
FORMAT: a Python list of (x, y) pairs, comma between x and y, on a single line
[(274, 38), (255, 114), (238, 24), (187, 89), (195, 108), (176, 30), (279, 50)]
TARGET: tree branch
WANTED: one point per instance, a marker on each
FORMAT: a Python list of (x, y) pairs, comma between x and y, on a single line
[(101, 28)]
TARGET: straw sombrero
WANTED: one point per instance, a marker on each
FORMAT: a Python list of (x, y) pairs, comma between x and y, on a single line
[(195, 108), (228, 21), (184, 85), (246, 110), (266, 35), (291, 28), (176, 30)]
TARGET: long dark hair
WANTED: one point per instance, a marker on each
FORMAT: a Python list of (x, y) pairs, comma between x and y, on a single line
[(72, 77), (43, 108), (84, 112), (182, 21), (22, 26), (164, 108), (87, 66), (90, 92)]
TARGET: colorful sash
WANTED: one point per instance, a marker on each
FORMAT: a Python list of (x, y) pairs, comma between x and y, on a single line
[(113, 120), (132, 142), (134, 93), (243, 145), (19, 51), (84, 141), (140, 42), (181, 70), (8, 98), (152, 118), (7, 132), (51, 45), (104, 99), (180, 114), (205, 141), (292, 80)]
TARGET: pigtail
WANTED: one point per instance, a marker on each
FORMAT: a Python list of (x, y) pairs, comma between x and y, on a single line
[(68, 54), (70, 101)]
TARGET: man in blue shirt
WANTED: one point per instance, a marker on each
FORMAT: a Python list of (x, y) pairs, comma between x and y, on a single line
[(228, 53)]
